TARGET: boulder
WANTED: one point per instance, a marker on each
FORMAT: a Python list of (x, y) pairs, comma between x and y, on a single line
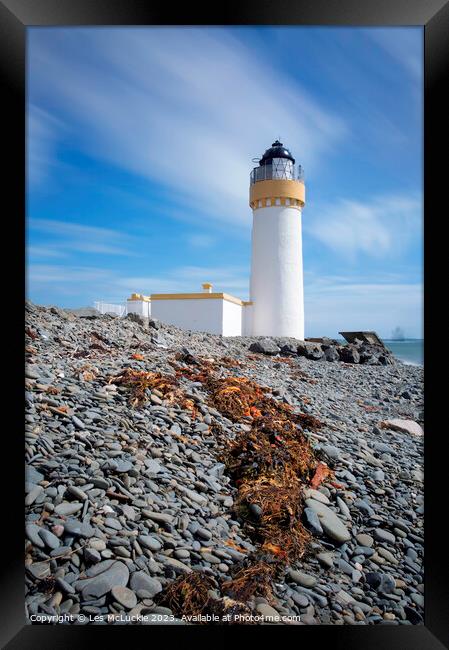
[(349, 354), (289, 350), (264, 346), (310, 350), (137, 318), (331, 353)]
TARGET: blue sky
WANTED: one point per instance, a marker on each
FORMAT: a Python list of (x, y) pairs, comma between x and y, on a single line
[(139, 150)]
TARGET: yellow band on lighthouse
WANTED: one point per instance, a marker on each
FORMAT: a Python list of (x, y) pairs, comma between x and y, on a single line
[(281, 189)]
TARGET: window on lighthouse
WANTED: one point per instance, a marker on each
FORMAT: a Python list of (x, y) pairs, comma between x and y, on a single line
[(282, 168)]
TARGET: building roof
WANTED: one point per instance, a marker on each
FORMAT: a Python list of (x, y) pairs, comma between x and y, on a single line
[(199, 296), (277, 150)]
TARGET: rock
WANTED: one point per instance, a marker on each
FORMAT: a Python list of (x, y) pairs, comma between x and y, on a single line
[(150, 542), (177, 564), (331, 354), (326, 559), (374, 579), (117, 574), (265, 346), (313, 521), (384, 536), (141, 580), (300, 599), (204, 533), (77, 493), (289, 350), (78, 528), (331, 452), (387, 584), (303, 579), (49, 538), (137, 318), (329, 521), (404, 426), (67, 508), (86, 312), (124, 596), (312, 351), (153, 467), (64, 586), (364, 540), (309, 493), (91, 555), (39, 570), (387, 555), (159, 517), (349, 354), (33, 495), (33, 533), (379, 475), (255, 510), (269, 614)]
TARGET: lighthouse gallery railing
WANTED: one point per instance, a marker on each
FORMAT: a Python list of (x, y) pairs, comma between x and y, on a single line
[(270, 172)]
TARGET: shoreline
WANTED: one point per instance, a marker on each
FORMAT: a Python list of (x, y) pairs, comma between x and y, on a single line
[(140, 496)]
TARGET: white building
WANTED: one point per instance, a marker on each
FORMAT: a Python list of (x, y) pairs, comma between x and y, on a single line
[(276, 305)]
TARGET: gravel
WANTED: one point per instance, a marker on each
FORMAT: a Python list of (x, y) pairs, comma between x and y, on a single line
[(121, 501)]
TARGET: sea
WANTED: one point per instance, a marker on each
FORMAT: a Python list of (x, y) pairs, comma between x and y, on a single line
[(410, 351)]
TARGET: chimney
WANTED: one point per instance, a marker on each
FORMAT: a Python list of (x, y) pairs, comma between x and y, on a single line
[(207, 287)]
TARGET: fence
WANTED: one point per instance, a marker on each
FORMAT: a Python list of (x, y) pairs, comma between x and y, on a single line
[(109, 308)]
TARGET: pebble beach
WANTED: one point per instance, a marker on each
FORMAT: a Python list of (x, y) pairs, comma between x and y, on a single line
[(128, 494)]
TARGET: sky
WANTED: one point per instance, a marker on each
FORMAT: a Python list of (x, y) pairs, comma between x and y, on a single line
[(140, 144)]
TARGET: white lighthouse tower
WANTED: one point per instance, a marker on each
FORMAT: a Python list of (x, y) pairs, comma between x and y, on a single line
[(277, 196)]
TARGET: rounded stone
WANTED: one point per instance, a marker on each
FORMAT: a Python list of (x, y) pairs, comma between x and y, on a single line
[(124, 596), (364, 540)]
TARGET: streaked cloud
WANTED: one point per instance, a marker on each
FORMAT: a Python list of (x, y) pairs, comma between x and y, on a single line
[(79, 237), (377, 228), (198, 105)]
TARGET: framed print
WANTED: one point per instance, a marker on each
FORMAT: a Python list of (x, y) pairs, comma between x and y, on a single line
[(224, 226)]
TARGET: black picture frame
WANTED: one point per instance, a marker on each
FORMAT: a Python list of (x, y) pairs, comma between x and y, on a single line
[(15, 17)]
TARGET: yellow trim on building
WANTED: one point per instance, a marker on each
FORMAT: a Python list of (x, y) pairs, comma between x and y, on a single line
[(276, 189), (247, 303), (139, 296), (196, 296)]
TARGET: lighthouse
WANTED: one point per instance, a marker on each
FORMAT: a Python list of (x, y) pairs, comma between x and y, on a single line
[(276, 305), (277, 197)]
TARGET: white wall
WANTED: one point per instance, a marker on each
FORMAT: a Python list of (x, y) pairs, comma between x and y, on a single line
[(232, 318), (276, 272), (141, 307), (247, 320), (200, 315)]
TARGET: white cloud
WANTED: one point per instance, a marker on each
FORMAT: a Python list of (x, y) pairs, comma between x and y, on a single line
[(230, 279), (43, 130), (43, 252), (186, 107), (377, 228), (78, 237), (94, 283)]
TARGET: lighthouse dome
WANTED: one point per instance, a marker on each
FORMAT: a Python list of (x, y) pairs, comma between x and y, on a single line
[(277, 150)]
